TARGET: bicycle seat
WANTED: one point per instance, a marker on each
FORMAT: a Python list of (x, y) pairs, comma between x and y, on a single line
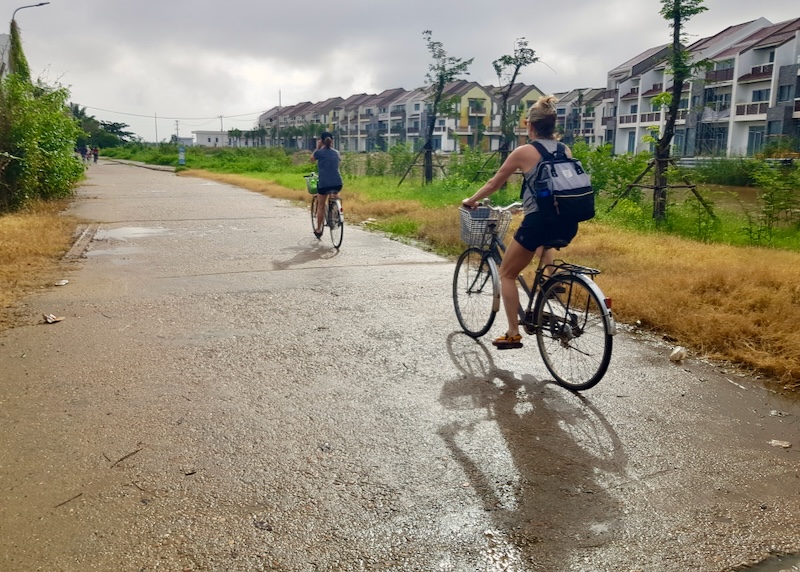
[(557, 244)]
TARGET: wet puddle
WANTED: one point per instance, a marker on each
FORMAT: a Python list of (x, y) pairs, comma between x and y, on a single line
[(127, 232), (790, 563), (119, 251)]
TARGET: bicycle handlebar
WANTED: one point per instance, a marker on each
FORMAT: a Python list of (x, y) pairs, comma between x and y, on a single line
[(487, 204)]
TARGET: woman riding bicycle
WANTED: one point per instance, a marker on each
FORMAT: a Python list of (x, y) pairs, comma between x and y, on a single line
[(330, 180), (536, 230)]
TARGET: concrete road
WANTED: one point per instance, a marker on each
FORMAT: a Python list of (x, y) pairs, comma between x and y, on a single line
[(226, 393)]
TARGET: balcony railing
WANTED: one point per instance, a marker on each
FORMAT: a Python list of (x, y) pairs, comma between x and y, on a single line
[(650, 117), (758, 72), (413, 130), (720, 75), (752, 108), (606, 119), (623, 119), (797, 104), (610, 94), (633, 93), (477, 111)]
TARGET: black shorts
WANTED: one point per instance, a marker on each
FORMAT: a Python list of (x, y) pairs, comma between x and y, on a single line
[(538, 230), (329, 190)]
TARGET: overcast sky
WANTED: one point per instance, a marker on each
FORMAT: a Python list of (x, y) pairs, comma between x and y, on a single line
[(194, 60)]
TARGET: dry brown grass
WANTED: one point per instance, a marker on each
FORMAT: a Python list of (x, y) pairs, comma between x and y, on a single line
[(31, 244), (732, 303)]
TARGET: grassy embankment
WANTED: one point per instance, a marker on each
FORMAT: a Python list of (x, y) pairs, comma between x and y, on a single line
[(31, 243)]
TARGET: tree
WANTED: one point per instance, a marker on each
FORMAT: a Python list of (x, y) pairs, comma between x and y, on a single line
[(680, 63), (443, 70), (17, 62), (103, 134), (37, 135), (507, 69)]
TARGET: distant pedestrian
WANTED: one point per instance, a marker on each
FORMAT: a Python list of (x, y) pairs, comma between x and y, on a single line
[(95, 153), (83, 149)]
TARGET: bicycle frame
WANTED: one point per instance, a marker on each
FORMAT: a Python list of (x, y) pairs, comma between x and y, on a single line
[(494, 256)]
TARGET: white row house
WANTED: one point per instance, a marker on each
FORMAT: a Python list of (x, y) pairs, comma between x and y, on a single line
[(367, 122), (749, 95)]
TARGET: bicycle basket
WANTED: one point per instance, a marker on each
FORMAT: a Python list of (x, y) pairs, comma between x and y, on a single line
[(311, 183), (478, 225)]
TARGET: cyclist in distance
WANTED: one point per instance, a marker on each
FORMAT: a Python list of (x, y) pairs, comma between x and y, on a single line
[(330, 180), (536, 230)]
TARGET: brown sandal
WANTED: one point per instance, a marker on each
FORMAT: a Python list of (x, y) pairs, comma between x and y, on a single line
[(506, 342)]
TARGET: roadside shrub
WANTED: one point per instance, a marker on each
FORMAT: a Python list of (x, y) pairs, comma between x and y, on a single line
[(472, 164), (778, 203), (378, 164), (735, 171), (37, 138), (402, 159)]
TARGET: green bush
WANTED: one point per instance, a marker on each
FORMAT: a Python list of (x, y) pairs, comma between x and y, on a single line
[(37, 137), (735, 171)]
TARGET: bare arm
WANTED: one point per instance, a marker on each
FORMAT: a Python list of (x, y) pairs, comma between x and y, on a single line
[(511, 165)]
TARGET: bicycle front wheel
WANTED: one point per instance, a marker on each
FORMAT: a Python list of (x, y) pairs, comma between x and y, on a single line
[(336, 223), (314, 213), (573, 336), (476, 291)]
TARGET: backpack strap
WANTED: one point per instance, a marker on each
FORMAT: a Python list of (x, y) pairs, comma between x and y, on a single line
[(559, 154)]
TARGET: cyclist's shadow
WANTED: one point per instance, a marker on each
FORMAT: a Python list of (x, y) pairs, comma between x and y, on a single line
[(548, 493), (303, 254)]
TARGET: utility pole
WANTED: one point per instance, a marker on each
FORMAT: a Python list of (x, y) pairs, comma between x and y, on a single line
[(221, 132), (177, 131), (155, 118)]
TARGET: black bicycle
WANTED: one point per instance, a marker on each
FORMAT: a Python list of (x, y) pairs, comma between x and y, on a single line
[(566, 310), (334, 215)]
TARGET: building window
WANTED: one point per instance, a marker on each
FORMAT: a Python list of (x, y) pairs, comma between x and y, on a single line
[(774, 127), (755, 140), (416, 107), (209, 139), (785, 93), (760, 95), (631, 142), (772, 57), (561, 111), (634, 108)]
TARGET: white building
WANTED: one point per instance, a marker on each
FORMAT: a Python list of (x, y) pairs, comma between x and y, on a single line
[(211, 138), (732, 109)]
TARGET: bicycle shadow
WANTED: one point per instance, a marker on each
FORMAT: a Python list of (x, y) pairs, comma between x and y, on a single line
[(304, 254), (547, 497)]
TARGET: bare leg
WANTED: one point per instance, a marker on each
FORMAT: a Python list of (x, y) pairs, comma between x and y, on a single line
[(322, 204), (516, 258)]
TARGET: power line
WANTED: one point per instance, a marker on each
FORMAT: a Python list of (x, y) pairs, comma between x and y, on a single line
[(254, 113)]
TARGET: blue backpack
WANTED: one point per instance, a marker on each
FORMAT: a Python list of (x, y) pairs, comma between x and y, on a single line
[(563, 188)]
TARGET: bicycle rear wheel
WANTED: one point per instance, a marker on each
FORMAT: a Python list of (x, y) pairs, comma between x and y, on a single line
[(335, 222), (573, 336), (476, 291), (314, 213)]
